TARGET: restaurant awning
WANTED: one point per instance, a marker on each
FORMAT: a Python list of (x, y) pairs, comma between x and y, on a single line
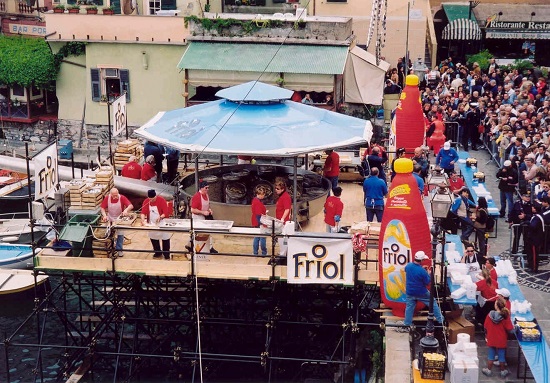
[(306, 67), (515, 21), (462, 29), (458, 11)]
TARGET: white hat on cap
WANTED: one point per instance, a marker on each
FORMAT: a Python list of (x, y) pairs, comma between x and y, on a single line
[(507, 163), (447, 145), (420, 256), (504, 292)]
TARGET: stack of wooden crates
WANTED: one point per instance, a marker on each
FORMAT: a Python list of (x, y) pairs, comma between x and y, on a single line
[(125, 149)]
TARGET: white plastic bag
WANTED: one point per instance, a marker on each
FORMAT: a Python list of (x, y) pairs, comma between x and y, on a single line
[(267, 224)]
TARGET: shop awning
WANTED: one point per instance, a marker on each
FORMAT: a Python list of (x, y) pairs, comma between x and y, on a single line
[(457, 11), (462, 29), (274, 58), (364, 79)]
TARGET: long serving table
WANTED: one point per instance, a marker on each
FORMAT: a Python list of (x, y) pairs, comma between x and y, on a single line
[(537, 354), (477, 189)]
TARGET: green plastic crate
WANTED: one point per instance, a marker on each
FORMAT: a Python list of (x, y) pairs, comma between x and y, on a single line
[(78, 231)]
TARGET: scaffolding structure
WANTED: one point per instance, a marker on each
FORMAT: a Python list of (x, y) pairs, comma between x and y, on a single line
[(124, 327)]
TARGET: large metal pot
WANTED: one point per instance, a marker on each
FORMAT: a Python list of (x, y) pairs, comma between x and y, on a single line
[(308, 205)]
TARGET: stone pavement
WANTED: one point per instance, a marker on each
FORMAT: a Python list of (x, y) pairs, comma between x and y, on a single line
[(535, 287)]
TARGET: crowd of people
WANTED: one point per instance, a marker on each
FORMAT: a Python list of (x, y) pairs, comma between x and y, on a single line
[(506, 111)]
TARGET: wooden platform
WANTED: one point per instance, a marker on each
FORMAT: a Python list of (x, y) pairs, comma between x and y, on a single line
[(235, 261)]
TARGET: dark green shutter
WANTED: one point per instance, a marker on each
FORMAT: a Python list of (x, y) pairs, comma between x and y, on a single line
[(125, 83), (168, 5), (96, 86), (116, 6)]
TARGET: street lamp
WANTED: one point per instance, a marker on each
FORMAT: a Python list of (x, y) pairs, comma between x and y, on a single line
[(441, 203), (437, 178)]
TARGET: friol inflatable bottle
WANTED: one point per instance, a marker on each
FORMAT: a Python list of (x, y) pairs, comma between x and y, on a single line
[(404, 231), (408, 125)]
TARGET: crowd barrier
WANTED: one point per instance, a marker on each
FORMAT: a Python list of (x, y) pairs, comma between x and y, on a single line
[(517, 245)]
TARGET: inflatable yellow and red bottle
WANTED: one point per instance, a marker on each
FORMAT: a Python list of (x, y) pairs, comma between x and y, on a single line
[(408, 124), (404, 231)]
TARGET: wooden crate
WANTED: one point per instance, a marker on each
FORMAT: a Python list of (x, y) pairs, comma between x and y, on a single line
[(102, 247)]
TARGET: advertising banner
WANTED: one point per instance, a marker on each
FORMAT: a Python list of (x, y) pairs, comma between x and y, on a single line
[(319, 260), (119, 115), (45, 171)]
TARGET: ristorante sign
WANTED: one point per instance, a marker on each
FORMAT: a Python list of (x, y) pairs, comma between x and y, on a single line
[(530, 26)]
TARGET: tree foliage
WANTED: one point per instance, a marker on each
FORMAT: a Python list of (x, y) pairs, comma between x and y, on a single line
[(26, 61), (482, 58), (29, 61)]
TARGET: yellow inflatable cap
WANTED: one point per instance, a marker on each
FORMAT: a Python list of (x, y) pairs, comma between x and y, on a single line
[(403, 165), (411, 79)]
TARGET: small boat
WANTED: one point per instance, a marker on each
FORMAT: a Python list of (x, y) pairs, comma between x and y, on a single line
[(17, 281), (13, 256)]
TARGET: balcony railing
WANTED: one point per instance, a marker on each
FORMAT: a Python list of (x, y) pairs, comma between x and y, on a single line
[(22, 110), (23, 7)]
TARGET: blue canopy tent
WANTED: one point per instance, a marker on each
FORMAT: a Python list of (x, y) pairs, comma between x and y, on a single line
[(255, 119)]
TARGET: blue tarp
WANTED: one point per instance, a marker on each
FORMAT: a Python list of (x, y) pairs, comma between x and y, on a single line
[(282, 128)]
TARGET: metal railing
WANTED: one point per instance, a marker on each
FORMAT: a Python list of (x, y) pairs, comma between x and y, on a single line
[(517, 244)]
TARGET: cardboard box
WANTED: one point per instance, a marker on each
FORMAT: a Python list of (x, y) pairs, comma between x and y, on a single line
[(464, 371), (460, 326)]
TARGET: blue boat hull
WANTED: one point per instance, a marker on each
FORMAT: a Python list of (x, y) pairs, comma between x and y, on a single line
[(16, 256)]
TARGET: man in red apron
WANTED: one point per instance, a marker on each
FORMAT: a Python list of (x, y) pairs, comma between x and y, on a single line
[(154, 210), (114, 206)]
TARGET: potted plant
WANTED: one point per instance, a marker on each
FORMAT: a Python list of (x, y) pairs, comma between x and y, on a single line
[(74, 8), (59, 8), (91, 10), (108, 10)]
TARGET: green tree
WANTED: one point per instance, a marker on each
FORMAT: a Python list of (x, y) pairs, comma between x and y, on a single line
[(26, 61)]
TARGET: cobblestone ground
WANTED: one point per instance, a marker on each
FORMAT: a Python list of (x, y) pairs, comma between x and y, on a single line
[(535, 287)]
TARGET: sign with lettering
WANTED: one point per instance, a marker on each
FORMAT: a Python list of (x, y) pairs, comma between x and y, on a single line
[(119, 115), (30, 30), (530, 26), (45, 172), (320, 260), (501, 34)]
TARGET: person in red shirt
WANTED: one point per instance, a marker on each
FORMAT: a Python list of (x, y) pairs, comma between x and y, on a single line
[(497, 327), (258, 209), (115, 205), (455, 182), (284, 202), (148, 172), (282, 211), (154, 210), (132, 169), (331, 169), (200, 210), (486, 288), (334, 208)]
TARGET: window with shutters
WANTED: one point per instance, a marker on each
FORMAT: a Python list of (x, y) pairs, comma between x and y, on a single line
[(109, 83), (164, 5)]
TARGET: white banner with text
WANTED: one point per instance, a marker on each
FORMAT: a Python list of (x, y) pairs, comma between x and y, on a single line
[(119, 115), (320, 260), (45, 172)]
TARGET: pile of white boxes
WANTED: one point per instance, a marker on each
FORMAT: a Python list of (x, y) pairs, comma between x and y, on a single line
[(463, 362)]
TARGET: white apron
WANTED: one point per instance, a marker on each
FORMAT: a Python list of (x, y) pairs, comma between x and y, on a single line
[(153, 217), (114, 210)]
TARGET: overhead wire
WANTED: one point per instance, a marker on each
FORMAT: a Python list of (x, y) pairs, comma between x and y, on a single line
[(202, 151)]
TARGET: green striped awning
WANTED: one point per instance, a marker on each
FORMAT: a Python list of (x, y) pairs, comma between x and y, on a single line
[(458, 11), (311, 59)]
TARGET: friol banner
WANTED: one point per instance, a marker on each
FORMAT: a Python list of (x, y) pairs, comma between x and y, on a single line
[(45, 171), (119, 115), (320, 260)]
